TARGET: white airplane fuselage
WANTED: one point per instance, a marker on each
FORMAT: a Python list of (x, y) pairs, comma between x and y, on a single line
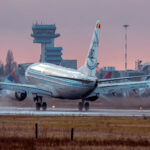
[(62, 82)]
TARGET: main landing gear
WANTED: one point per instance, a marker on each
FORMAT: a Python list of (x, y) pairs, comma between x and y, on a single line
[(39, 103), (82, 105)]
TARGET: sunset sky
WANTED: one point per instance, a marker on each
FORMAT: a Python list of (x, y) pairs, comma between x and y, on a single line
[(75, 21)]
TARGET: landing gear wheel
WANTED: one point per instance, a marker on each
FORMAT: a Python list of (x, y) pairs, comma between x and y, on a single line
[(44, 106), (80, 106), (86, 106), (38, 106)]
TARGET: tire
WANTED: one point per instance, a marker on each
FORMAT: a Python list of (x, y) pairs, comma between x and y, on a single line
[(44, 106), (38, 106), (80, 106), (86, 106)]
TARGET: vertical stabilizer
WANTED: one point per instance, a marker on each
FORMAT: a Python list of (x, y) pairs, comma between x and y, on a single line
[(89, 67), (108, 75)]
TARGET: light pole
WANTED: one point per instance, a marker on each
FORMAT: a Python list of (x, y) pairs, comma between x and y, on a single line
[(126, 26)]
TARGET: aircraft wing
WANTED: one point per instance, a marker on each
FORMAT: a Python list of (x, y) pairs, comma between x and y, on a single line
[(121, 78), (28, 88), (124, 85)]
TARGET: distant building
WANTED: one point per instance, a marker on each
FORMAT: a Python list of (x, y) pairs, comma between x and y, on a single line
[(109, 68), (146, 67), (130, 73), (104, 71), (138, 65), (69, 64)]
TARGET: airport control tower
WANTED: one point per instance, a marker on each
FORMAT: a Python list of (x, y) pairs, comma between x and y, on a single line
[(45, 34)]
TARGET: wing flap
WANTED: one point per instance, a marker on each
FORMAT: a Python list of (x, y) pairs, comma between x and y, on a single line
[(125, 85), (121, 78)]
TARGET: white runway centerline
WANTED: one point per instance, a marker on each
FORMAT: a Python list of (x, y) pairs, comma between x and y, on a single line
[(72, 112)]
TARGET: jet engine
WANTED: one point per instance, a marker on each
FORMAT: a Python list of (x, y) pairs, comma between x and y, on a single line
[(92, 98), (20, 96)]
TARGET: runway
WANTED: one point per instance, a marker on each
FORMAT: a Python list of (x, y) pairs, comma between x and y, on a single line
[(72, 112)]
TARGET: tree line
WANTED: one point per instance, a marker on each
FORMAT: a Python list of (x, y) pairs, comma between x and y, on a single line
[(10, 65)]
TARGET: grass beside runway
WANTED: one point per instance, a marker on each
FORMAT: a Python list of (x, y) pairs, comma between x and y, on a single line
[(17, 132)]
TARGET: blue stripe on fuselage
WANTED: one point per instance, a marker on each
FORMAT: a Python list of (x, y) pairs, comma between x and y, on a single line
[(57, 80)]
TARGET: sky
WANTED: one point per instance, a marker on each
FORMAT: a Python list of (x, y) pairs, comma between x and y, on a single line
[(75, 21)]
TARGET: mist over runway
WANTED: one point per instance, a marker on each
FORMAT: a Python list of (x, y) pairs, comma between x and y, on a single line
[(116, 107), (30, 111)]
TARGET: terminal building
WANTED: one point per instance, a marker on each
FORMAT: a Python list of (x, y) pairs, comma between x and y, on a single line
[(101, 74), (69, 64)]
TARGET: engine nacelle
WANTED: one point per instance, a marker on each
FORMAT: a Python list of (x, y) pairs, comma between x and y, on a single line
[(20, 96), (92, 98)]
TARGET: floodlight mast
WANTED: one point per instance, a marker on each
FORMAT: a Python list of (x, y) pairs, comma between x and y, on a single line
[(126, 65)]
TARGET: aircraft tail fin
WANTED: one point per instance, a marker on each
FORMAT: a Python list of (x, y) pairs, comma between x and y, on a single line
[(90, 65), (108, 75), (13, 77)]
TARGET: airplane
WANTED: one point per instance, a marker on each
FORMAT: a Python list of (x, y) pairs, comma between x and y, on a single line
[(49, 80), (108, 75), (13, 77)]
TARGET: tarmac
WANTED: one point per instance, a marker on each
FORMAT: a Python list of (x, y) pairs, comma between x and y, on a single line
[(31, 111)]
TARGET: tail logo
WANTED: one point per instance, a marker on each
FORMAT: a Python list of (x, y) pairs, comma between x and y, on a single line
[(91, 55), (91, 63), (92, 59), (98, 26)]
